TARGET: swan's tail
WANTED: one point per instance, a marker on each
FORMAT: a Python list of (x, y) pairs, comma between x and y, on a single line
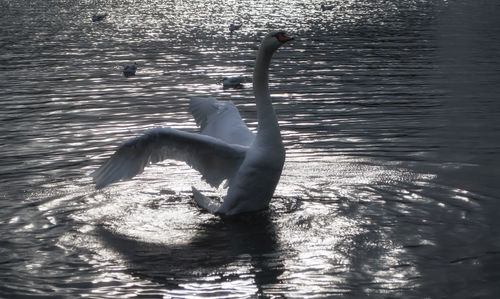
[(204, 202)]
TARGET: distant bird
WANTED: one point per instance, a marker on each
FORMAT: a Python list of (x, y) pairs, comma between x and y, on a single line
[(99, 17), (232, 82), (129, 69), (326, 7), (234, 27)]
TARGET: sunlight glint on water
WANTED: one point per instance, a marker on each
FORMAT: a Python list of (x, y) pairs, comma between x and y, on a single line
[(388, 114)]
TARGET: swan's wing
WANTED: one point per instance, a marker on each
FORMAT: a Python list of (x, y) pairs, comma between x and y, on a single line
[(220, 120), (201, 108), (213, 158)]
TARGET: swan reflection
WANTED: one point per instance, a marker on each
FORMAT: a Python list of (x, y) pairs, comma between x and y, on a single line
[(240, 255)]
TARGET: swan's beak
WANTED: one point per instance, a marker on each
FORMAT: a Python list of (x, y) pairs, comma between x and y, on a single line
[(283, 37)]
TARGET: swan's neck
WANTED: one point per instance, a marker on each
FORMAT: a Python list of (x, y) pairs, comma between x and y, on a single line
[(267, 122)]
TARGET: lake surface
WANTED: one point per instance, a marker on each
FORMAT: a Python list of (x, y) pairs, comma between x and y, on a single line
[(390, 116)]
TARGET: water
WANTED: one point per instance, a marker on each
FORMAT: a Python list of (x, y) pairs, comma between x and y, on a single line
[(389, 112)]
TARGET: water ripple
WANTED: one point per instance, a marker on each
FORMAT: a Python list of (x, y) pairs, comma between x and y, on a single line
[(388, 114)]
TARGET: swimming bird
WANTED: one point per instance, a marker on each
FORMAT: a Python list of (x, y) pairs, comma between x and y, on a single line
[(232, 82), (99, 17), (129, 69), (326, 7), (234, 27), (225, 150)]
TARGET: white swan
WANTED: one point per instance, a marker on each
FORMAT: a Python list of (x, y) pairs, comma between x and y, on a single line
[(129, 69), (225, 150)]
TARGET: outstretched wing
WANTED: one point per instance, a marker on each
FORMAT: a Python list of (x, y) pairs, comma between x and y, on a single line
[(220, 120), (213, 158)]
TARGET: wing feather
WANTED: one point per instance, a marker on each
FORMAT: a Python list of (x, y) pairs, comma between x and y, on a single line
[(213, 158), (220, 119)]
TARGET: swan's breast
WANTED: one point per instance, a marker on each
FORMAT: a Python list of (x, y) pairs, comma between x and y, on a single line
[(251, 189), (253, 186)]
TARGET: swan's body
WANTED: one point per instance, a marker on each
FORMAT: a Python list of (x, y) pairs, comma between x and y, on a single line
[(232, 82), (99, 17), (129, 69), (225, 150)]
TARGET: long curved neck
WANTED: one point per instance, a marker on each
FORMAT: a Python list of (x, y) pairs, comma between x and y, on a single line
[(267, 121)]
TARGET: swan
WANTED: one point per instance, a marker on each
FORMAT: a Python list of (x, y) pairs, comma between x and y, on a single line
[(232, 82), (99, 17), (129, 69), (225, 149), (234, 27)]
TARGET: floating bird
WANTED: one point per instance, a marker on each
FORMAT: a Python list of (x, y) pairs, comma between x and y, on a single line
[(225, 150), (99, 17), (326, 7), (234, 27), (129, 69), (232, 82)]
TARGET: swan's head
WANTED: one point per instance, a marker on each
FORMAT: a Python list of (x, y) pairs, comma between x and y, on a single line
[(274, 40)]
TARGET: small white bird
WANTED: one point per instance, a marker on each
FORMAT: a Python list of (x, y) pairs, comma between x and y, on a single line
[(129, 69), (234, 27), (232, 82), (99, 17), (326, 7)]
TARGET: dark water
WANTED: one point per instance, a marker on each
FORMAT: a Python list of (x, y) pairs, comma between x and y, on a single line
[(390, 115)]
